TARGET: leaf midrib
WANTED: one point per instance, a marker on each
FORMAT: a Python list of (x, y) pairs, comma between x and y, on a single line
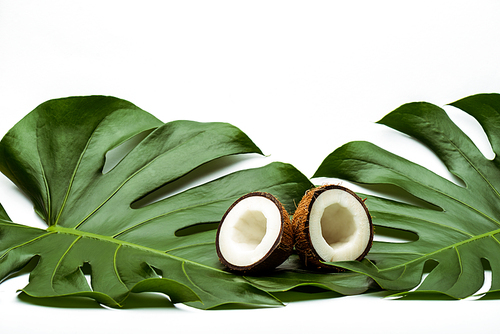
[(119, 243), (455, 245)]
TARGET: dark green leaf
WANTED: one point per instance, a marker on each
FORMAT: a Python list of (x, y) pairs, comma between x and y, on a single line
[(100, 216), (461, 227)]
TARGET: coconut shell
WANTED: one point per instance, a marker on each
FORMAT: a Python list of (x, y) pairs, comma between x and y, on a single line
[(303, 243), (277, 254)]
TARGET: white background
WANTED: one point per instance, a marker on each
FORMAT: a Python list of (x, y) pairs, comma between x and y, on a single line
[(300, 78)]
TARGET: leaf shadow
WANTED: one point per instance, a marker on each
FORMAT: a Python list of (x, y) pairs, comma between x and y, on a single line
[(295, 295), (306, 293), (239, 306), (60, 302), (421, 296), (494, 295), (312, 293), (143, 300), (147, 300)]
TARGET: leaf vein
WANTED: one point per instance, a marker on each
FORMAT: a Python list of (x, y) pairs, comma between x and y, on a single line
[(432, 189), (455, 245), (115, 266), (475, 168), (24, 243), (70, 185), (59, 262), (82, 234), (132, 176), (422, 220), (128, 229)]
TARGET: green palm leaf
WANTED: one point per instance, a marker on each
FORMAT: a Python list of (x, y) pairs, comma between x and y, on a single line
[(105, 221), (460, 236)]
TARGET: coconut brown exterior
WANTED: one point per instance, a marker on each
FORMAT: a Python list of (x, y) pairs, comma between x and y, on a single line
[(278, 253), (303, 244)]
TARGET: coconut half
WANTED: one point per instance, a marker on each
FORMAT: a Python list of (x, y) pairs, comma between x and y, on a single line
[(255, 234), (332, 224)]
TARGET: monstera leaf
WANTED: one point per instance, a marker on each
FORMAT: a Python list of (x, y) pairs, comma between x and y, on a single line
[(96, 169), (58, 155), (459, 234)]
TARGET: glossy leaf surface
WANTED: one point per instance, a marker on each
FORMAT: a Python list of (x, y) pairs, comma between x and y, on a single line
[(102, 212), (459, 233)]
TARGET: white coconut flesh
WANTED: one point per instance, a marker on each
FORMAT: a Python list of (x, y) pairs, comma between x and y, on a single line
[(339, 227), (249, 231)]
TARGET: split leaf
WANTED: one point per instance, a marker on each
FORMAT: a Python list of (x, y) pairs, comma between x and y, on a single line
[(459, 233), (63, 156)]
